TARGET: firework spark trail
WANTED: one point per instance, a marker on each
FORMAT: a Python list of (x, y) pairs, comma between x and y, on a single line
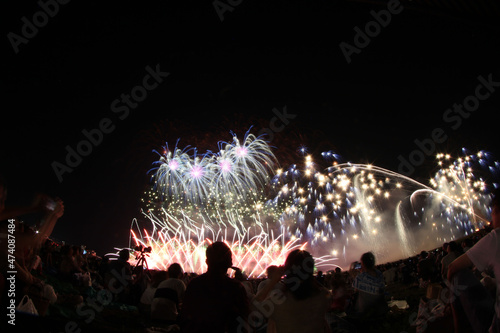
[(402, 233), (186, 244)]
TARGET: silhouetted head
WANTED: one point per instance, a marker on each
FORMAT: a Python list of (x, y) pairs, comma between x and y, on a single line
[(271, 269), (452, 247), (299, 269), (219, 256), (299, 261), (368, 260), (124, 255), (467, 243), (175, 271)]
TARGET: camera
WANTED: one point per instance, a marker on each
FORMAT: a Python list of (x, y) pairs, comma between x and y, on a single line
[(141, 258), (143, 249), (51, 204)]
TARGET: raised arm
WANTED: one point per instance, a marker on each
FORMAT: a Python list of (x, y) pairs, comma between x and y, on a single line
[(274, 277), (461, 263)]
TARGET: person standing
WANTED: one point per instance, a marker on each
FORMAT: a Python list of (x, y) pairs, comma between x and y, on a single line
[(472, 305)]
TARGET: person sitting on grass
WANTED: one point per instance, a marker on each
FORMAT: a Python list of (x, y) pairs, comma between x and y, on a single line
[(168, 297), (369, 289)]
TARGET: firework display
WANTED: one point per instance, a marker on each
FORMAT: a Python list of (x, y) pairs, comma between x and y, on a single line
[(335, 210), (222, 178), (353, 208)]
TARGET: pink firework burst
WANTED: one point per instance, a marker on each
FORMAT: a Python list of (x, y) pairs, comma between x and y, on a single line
[(197, 172), (225, 165)]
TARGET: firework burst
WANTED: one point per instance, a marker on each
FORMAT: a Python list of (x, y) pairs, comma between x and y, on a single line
[(234, 174)]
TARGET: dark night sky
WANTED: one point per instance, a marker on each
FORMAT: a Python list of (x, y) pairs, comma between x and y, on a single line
[(228, 75)]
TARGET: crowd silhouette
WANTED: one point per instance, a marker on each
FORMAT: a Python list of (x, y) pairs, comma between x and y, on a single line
[(69, 283)]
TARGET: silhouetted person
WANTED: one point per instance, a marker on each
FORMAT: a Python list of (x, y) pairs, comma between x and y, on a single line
[(369, 289), (472, 304), (299, 302), (240, 276), (147, 296), (213, 302), (340, 294), (269, 271), (118, 277), (320, 278), (169, 296), (68, 266), (454, 252), (467, 244), (425, 269)]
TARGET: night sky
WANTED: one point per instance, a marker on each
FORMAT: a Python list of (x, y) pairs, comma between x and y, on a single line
[(227, 75)]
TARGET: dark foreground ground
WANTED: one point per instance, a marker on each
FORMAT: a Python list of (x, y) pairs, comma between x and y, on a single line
[(121, 318)]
